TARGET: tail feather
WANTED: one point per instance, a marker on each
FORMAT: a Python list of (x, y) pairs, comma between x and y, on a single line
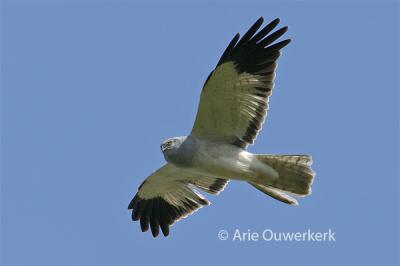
[(275, 193), (295, 176)]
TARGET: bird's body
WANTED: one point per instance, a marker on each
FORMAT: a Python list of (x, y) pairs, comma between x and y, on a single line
[(233, 106), (218, 159)]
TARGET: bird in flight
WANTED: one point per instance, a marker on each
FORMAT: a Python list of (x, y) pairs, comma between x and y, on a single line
[(233, 106)]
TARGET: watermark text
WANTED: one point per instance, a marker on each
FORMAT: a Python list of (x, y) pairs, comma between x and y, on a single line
[(270, 235)]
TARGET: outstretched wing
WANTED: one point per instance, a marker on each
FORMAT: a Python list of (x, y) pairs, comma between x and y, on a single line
[(234, 100), (167, 196)]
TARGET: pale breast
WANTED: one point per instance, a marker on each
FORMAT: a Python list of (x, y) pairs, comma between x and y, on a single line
[(222, 160)]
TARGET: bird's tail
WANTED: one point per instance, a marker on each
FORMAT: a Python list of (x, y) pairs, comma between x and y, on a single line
[(295, 177)]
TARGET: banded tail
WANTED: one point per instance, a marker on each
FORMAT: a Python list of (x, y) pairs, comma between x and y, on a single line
[(295, 177)]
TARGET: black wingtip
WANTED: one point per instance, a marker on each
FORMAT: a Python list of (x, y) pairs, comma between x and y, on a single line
[(283, 29), (132, 203), (253, 29), (266, 30), (276, 21), (279, 45), (228, 50), (135, 217), (144, 226), (165, 229), (155, 229), (273, 37), (260, 20)]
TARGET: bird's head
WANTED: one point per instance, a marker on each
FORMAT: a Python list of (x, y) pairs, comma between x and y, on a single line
[(172, 144)]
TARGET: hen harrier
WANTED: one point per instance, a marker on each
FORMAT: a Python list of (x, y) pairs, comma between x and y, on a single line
[(232, 109)]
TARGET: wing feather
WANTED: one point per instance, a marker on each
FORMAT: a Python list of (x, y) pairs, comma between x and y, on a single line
[(166, 196), (234, 99)]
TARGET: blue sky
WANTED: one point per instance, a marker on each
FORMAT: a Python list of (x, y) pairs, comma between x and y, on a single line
[(89, 90)]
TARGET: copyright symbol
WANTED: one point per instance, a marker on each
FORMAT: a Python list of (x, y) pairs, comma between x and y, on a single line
[(223, 235)]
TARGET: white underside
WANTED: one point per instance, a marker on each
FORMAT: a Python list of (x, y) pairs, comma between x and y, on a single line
[(230, 162)]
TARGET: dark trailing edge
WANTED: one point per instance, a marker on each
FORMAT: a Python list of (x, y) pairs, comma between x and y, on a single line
[(218, 185), (255, 54), (211, 185)]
